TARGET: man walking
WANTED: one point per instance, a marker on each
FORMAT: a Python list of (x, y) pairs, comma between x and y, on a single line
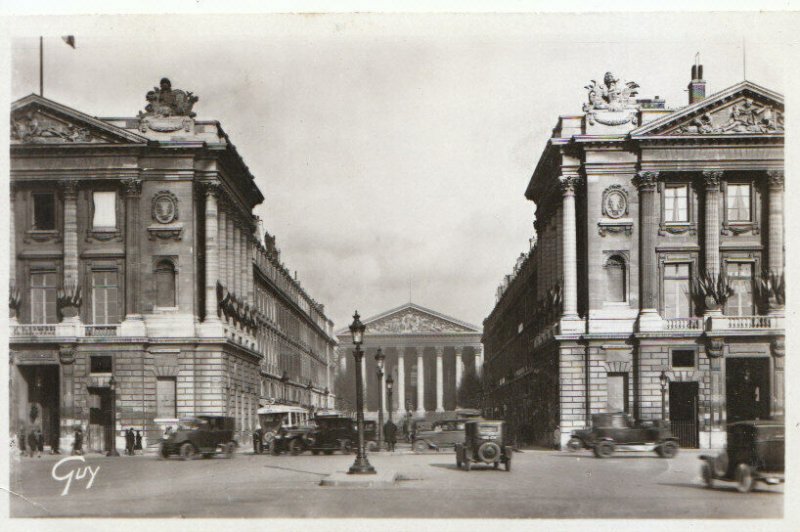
[(390, 433), (130, 441), (77, 443)]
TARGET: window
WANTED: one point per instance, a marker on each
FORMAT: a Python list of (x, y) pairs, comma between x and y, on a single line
[(105, 210), (615, 280), (105, 297), (100, 364), (44, 211), (165, 284), (165, 398), (683, 358), (43, 297), (738, 202), (617, 392), (677, 302), (740, 275), (676, 203)]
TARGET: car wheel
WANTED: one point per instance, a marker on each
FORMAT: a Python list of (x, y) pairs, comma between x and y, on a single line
[(744, 478), (604, 449), (489, 452), (508, 464), (707, 474), (296, 447), (162, 452), (668, 450), (229, 448), (420, 446), (187, 451), (574, 444)]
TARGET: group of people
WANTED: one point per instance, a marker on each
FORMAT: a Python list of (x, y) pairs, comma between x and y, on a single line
[(133, 441)]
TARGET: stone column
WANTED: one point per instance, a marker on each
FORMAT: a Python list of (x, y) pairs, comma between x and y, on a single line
[(231, 249), (401, 382), (649, 318), (133, 325), (711, 180), (237, 259), (71, 276), (223, 244), (212, 191), (420, 381), (714, 350), (250, 242), (569, 184), (66, 356), (459, 369), (775, 237), (778, 349), (439, 379), (478, 362)]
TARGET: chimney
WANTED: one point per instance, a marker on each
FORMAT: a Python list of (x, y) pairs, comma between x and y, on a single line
[(697, 87)]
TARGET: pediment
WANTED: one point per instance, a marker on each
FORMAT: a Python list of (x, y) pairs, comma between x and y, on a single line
[(744, 109), (37, 120), (412, 319)]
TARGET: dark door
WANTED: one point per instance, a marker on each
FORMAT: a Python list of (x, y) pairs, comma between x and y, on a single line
[(683, 412), (747, 388), (100, 432), (43, 400)]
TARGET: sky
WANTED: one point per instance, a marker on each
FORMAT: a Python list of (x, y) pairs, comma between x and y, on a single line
[(394, 150)]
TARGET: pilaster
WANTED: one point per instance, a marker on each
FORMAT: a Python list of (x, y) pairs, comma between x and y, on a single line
[(401, 382), (778, 350), (775, 237), (649, 318), (133, 324), (439, 379), (211, 325)]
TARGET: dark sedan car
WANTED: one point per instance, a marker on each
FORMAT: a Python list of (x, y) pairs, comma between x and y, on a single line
[(203, 435), (619, 432), (443, 434)]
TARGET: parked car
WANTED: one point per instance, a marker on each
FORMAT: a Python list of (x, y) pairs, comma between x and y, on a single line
[(332, 433), (484, 442), (201, 435), (442, 434), (619, 432), (754, 453), (283, 428)]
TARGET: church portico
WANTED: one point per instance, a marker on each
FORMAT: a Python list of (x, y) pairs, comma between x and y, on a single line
[(427, 356)]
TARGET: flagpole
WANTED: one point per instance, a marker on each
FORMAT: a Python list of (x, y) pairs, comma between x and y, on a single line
[(41, 66)]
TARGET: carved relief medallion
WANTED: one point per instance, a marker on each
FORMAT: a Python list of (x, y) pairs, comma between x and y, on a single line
[(165, 207), (615, 202)]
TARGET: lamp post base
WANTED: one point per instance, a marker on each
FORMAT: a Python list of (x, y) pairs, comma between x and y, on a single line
[(361, 467)]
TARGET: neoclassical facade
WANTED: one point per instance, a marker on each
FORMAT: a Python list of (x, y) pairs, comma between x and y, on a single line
[(659, 250), (136, 260), (427, 355)]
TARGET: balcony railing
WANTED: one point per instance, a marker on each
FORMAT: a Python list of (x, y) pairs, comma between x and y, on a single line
[(102, 330), (33, 329), (749, 322), (683, 324)]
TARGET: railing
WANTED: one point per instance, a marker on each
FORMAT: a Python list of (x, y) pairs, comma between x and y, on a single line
[(749, 322), (102, 330), (33, 329), (676, 324)]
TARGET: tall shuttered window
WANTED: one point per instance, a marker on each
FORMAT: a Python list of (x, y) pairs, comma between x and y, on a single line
[(677, 296), (43, 297), (740, 275), (738, 202), (676, 203), (105, 297)]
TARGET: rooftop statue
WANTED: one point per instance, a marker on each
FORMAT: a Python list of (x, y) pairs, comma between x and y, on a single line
[(166, 101), (611, 103)]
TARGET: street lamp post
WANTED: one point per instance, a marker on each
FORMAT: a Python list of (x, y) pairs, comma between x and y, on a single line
[(361, 465), (112, 386), (379, 359), (389, 386), (664, 382)]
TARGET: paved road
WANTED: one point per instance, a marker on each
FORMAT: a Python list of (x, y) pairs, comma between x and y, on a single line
[(542, 484)]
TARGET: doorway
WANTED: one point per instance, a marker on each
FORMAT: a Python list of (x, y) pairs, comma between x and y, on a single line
[(747, 389), (683, 413), (98, 437), (42, 408)]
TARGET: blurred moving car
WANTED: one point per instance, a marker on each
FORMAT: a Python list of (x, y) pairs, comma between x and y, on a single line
[(619, 432), (200, 435), (484, 442), (754, 453), (442, 434)]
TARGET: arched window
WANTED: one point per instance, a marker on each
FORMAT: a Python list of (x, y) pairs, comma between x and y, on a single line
[(165, 284), (616, 289)]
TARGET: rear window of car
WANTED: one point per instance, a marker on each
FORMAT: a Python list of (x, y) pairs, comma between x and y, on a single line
[(489, 428)]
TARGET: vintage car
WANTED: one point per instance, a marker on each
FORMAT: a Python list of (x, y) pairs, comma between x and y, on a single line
[(443, 434), (484, 442), (283, 428), (200, 435), (619, 432), (754, 453), (331, 433)]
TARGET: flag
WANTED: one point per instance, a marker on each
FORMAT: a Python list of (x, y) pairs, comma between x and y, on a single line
[(70, 40)]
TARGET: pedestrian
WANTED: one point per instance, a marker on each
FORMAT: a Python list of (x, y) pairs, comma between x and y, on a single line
[(22, 439), (130, 441), (390, 432), (138, 446), (258, 444), (77, 442), (32, 443), (39, 442)]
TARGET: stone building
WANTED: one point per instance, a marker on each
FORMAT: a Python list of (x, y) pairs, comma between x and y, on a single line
[(659, 249), (135, 260), (427, 355)]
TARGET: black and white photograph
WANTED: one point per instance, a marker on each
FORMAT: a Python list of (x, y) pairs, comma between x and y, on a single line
[(357, 265)]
